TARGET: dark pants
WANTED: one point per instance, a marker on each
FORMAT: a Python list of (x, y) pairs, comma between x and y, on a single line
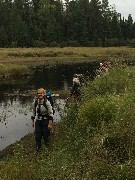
[(41, 130)]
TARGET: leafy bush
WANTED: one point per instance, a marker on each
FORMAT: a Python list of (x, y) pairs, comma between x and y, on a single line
[(99, 111), (119, 80), (38, 43), (131, 43), (112, 42), (73, 43), (54, 44)]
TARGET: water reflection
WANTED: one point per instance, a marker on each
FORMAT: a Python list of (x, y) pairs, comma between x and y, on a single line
[(57, 77), (16, 110), (60, 76), (15, 119)]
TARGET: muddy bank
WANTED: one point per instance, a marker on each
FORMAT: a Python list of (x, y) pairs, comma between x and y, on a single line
[(27, 140)]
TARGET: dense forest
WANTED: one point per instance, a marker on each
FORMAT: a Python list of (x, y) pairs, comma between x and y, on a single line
[(52, 23)]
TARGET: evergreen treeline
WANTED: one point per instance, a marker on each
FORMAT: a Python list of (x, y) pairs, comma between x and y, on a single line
[(41, 23)]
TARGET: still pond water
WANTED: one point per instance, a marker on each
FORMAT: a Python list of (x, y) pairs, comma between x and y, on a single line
[(15, 107)]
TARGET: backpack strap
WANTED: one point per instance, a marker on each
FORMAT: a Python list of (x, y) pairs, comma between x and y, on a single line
[(36, 102), (44, 102)]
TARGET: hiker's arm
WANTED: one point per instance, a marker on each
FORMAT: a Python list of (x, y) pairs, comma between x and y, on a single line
[(49, 108), (50, 124), (50, 114), (72, 89), (71, 92)]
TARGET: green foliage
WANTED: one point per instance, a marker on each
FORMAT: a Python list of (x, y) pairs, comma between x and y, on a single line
[(81, 23), (73, 43), (94, 141), (113, 42), (131, 43), (3, 37), (7, 70), (99, 111), (53, 44), (38, 43), (119, 80)]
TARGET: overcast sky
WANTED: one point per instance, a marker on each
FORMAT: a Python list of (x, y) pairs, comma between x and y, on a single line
[(125, 7)]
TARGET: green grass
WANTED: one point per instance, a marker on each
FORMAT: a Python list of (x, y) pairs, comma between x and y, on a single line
[(95, 141), (7, 70), (17, 61), (75, 53)]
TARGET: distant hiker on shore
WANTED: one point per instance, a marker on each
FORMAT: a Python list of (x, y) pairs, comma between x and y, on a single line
[(103, 68), (42, 118), (75, 90)]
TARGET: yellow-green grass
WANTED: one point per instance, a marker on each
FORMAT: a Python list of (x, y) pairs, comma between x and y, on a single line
[(7, 70), (66, 53), (95, 140)]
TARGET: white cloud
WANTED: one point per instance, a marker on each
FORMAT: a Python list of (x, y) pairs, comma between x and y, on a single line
[(125, 7)]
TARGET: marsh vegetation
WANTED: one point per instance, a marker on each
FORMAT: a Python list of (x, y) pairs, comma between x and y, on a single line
[(94, 141), (18, 61)]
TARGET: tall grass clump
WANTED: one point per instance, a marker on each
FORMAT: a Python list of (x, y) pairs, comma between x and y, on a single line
[(96, 140), (119, 80), (100, 131), (7, 70)]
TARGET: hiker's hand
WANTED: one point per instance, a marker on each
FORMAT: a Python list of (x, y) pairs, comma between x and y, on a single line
[(32, 118), (50, 124)]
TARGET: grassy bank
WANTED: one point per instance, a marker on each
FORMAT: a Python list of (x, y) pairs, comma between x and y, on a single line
[(95, 141), (11, 70), (17, 61), (64, 54)]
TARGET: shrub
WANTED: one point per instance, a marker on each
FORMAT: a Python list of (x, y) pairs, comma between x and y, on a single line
[(119, 80), (54, 44), (38, 43), (112, 42), (73, 43), (99, 111), (131, 43)]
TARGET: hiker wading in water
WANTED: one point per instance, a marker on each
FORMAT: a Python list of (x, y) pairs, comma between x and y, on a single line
[(42, 118)]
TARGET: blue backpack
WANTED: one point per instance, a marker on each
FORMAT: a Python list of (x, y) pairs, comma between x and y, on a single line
[(48, 96)]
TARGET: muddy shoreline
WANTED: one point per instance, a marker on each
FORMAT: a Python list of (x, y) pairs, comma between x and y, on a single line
[(9, 150)]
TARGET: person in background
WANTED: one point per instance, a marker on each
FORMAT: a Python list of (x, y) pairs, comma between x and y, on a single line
[(48, 95), (106, 64), (75, 90), (104, 68), (42, 118)]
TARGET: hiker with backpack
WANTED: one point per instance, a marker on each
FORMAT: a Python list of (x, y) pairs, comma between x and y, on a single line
[(103, 68), (75, 90), (42, 118)]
